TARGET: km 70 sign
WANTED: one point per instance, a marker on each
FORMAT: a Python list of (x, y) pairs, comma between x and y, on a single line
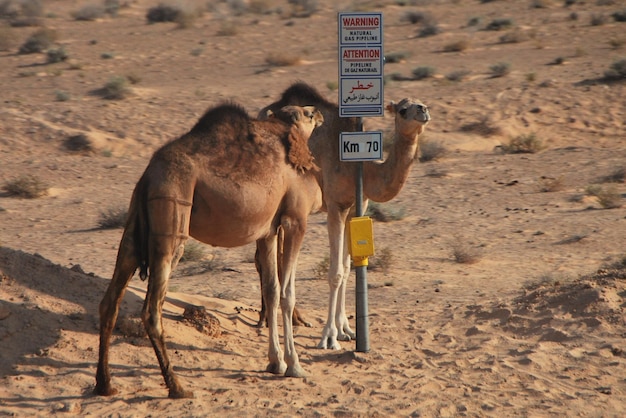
[(361, 146)]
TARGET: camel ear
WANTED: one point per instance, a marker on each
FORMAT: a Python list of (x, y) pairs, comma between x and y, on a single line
[(268, 114), (391, 107)]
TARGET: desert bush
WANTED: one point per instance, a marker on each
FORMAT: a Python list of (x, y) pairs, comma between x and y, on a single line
[(420, 73), (598, 19), (78, 143), (499, 24), (61, 96), (168, 13), (523, 144), (431, 150), (463, 252), (28, 186), (618, 175), (513, 37), (304, 8), (458, 75), (395, 57), (320, 270), (227, 28), (617, 70), (113, 218), (39, 41), (194, 251), (474, 21), (112, 7), (385, 212), (55, 55), (482, 127), (608, 197), (89, 12), (619, 16), (429, 30), (414, 17), (282, 59), (116, 88), (500, 69), (540, 4), (457, 46), (382, 260), (550, 184)]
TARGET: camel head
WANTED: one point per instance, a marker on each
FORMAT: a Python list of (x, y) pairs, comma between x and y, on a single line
[(306, 118), (411, 115)]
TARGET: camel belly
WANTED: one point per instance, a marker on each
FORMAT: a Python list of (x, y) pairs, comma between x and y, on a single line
[(233, 220)]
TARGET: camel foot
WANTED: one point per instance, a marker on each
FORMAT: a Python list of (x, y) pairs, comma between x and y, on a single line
[(346, 337), (180, 394), (277, 368), (295, 371), (329, 343), (105, 390)]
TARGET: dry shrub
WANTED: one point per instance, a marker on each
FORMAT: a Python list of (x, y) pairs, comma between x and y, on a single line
[(618, 175), (27, 186), (465, 253), (608, 198), (499, 24), (550, 184), (382, 260), (514, 36), (39, 41), (523, 144), (431, 150), (89, 12), (228, 28), (385, 212), (194, 251), (617, 71), (457, 46), (78, 143), (458, 75), (482, 127), (282, 59), (115, 89), (500, 69), (421, 73), (113, 218), (320, 271)]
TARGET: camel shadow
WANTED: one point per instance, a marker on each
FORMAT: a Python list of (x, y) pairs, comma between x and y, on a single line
[(39, 300)]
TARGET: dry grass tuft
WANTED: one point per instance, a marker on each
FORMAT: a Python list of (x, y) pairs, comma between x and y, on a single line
[(550, 184), (608, 197), (27, 186), (113, 218), (194, 251), (457, 46), (523, 144), (385, 212), (282, 59), (320, 271), (465, 253), (483, 127), (431, 150), (382, 260)]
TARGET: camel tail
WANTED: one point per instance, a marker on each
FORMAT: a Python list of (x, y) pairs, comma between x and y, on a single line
[(137, 227)]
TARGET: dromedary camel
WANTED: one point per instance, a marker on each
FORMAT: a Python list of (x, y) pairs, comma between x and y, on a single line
[(230, 181), (381, 182)]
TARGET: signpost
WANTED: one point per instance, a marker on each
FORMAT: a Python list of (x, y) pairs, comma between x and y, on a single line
[(361, 61)]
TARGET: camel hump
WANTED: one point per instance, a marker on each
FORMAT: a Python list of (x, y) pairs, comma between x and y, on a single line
[(303, 120), (302, 93), (229, 114)]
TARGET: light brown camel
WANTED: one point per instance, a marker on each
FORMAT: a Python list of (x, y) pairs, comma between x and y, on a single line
[(230, 181), (381, 182)]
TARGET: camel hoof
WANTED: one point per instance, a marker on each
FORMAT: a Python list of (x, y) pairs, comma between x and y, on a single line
[(180, 394), (346, 337), (277, 368), (107, 390), (295, 371), (329, 344)]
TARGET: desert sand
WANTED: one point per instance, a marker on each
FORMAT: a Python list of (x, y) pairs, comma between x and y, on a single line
[(532, 326)]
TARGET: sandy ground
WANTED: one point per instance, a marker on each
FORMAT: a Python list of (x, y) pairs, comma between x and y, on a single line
[(534, 327)]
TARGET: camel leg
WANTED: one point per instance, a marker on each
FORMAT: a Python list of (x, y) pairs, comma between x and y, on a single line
[(125, 267), (298, 319), (345, 333), (336, 271), (293, 235), (267, 260)]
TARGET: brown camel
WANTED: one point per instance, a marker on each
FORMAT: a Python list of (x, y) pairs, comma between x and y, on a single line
[(230, 181), (381, 182)]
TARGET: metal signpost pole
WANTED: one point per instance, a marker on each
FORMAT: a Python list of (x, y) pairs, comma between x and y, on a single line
[(361, 94), (362, 310)]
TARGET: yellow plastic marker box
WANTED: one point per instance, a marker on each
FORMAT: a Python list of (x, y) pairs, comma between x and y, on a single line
[(361, 237)]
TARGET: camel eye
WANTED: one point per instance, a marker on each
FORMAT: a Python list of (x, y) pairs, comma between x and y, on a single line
[(402, 112)]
